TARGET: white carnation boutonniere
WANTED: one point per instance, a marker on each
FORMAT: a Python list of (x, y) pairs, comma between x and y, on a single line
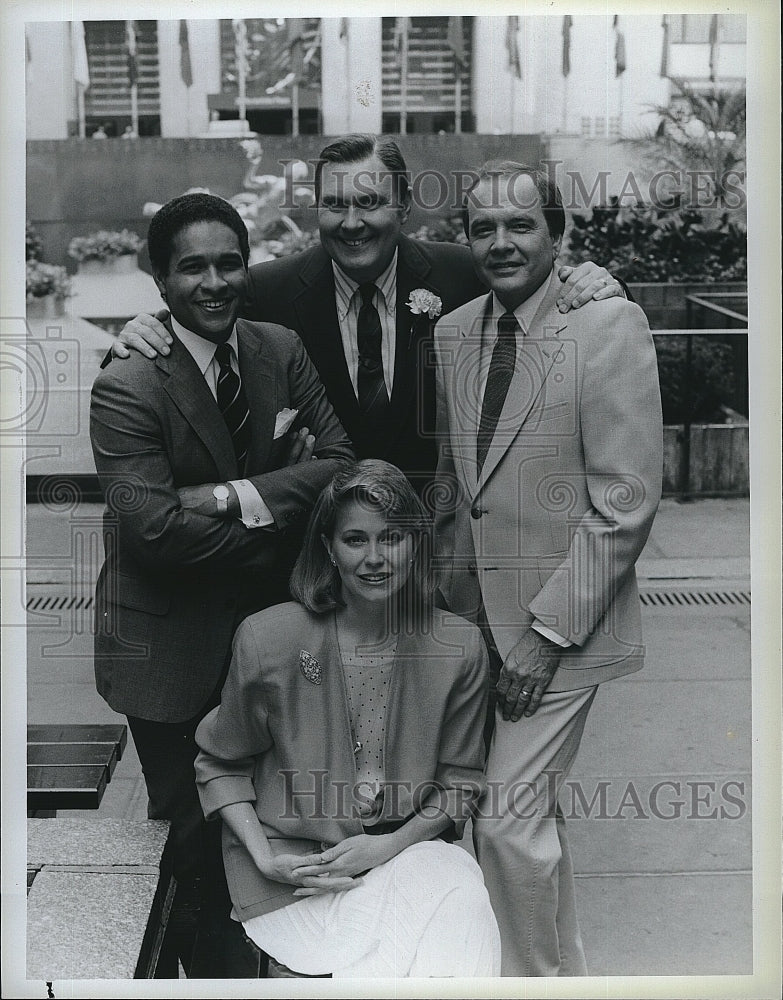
[(423, 301)]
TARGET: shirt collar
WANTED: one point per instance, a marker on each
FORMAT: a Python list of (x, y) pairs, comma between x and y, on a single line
[(526, 310), (345, 288), (201, 349)]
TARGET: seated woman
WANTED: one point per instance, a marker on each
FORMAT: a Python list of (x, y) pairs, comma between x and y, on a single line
[(347, 753)]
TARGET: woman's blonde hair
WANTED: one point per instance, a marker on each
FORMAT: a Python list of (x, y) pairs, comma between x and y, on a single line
[(383, 488)]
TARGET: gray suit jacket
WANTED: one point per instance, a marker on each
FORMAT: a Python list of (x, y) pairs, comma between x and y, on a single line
[(552, 527), (175, 583)]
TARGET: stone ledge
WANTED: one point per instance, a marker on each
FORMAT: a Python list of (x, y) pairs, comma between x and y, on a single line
[(86, 925), (91, 843), (99, 896)]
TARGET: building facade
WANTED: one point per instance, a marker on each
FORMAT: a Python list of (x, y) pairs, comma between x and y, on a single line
[(586, 76)]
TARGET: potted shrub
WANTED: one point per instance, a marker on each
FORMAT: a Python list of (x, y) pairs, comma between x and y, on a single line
[(33, 247), (47, 287), (106, 252)]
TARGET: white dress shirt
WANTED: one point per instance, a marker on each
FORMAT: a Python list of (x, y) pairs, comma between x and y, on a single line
[(349, 302), (254, 512), (524, 314)]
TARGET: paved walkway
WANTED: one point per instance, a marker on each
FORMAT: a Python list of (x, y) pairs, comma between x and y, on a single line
[(660, 796)]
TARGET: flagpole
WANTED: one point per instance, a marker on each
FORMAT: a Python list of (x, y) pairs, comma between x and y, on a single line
[(135, 108), (458, 99), (349, 102), (133, 71), (240, 55), (241, 89), (80, 111), (404, 79), (295, 108)]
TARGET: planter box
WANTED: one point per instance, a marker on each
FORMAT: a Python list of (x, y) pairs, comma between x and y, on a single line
[(664, 303), (719, 460), (45, 307), (126, 263)]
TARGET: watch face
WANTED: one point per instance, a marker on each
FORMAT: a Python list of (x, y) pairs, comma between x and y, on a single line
[(220, 492)]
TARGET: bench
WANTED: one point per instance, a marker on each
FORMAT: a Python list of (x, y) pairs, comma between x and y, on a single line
[(99, 898), (69, 766)]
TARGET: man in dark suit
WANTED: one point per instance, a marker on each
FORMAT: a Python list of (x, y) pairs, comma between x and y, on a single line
[(374, 358), (203, 493)]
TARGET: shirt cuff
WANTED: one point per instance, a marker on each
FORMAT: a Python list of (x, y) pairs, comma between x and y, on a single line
[(548, 633), (254, 512)]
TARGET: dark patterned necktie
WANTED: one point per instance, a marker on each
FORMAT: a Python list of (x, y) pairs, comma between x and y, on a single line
[(233, 404), (373, 398), (501, 370)]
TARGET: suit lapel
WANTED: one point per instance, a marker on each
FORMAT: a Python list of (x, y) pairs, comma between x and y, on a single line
[(412, 271), (466, 408), (535, 358), (316, 311), (259, 389), (189, 392)]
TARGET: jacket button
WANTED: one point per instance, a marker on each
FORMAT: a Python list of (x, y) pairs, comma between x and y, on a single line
[(472, 570), (477, 512)]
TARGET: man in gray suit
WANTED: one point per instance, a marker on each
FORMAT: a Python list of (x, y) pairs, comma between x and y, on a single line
[(205, 489)]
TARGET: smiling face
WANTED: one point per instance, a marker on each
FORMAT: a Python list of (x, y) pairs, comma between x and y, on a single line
[(360, 217), (372, 556), (512, 248), (205, 283)]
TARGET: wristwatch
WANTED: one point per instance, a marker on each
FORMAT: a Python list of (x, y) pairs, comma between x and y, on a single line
[(221, 494)]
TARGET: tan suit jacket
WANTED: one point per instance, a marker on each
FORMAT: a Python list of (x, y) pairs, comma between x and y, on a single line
[(553, 525)]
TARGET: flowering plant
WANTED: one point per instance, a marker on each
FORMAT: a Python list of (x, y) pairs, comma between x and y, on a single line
[(46, 279), (33, 247), (423, 301), (104, 245)]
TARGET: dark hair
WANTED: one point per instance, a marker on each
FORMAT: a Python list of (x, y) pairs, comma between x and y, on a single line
[(315, 582), (360, 146), (183, 211), (548, 192)]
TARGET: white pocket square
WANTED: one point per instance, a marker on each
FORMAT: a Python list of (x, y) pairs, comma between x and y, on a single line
[(283, 421)]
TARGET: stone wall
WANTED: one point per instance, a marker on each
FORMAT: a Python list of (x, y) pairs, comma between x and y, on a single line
[(75, 186)]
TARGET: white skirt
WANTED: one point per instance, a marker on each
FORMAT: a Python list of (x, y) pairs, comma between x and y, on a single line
[(424, 913)]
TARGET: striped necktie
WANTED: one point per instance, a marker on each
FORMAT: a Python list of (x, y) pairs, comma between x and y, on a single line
[(501, 371), (233, 404), (373, 398)]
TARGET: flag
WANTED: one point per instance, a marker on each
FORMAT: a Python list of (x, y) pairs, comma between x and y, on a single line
[(130, 40), (455, 40), (512, 46), (343, 27), (665, 50), (185, 68), (81, 69), (619, 48), (295, 29), (713, 47), (400, 31), (567, 23)]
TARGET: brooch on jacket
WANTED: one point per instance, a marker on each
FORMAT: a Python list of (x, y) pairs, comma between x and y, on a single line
[(310, 667)]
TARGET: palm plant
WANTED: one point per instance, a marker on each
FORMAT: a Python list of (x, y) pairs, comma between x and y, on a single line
[(701, 131)]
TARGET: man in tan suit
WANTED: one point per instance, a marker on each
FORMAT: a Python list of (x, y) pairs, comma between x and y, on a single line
[(550, 475)]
